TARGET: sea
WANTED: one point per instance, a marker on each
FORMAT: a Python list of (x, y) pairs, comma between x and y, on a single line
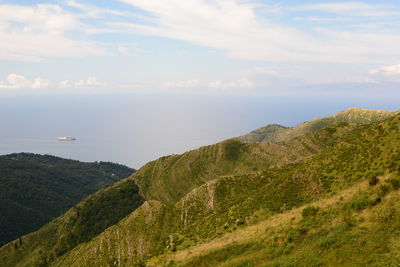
[(134, 128)]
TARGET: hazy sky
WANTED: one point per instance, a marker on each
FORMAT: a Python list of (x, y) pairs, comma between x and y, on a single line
[(272, 48)]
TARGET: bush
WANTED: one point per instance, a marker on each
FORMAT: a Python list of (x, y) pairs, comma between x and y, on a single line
[(372, 178), (384, 189), (233, 149), (376, 200), (309, 211), (395, 182), (359, 203)]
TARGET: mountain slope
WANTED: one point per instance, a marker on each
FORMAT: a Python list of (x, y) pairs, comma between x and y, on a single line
[(179, 177), (170, 178), (75, 226), (276, 133), (37, 188), (223, 205), (336, 231), (257, 179), (79, 224)]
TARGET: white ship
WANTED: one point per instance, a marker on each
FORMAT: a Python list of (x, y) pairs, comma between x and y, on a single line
[(66, 138)]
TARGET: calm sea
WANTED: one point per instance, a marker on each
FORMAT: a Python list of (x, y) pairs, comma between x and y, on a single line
[(135, 128)]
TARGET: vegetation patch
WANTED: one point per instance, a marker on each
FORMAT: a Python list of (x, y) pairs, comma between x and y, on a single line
[(37, 188), (309, 211), (233, 149)]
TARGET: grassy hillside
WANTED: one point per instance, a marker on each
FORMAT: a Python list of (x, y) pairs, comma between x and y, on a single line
[(34, 189), (170, 178), (357, 227), (276, 133), (58, 237), (254, 219)]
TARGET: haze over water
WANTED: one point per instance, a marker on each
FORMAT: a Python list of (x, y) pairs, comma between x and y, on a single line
[(133, 129)]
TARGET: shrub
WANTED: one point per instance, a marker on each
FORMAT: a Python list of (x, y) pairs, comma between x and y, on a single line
[(395, 182), (359, 203), (233, 149), (384, 189), (309, 211), (376, 200), (372, 178)]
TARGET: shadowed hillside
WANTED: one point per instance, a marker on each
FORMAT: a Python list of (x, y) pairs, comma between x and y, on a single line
[(34, 189)]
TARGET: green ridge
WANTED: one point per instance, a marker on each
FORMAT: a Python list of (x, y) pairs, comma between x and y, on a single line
[(170, 178), (277, 133)]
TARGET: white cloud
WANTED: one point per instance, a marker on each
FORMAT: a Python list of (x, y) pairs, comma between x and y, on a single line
[(64, 84), (350, 8), (181, 84), (93, 11), (18, 81), (124, 50), (34, 33), (235, 27), (40, 82), (262, 71), (89, 82), (387, 70), (336, 7), (242, 83), (389, 73)]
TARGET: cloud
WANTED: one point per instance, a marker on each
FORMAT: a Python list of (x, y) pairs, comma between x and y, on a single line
[(235, 27), (124, 50), (64, 84), (181, 84), (336, 7), (40, 82), (389, 73), (93, 11), (34, 33), (387, 70), (18, 81), (257, 71), (242, 83), (89, 82), (349, 8)]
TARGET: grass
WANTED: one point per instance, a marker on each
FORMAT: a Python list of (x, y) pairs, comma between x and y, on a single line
[(292, 239), (277, 133)]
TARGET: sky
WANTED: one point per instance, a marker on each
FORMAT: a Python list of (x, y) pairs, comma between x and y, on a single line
[(225, 47)]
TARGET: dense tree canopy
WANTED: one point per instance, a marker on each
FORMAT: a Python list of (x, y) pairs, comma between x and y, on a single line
[(36, 188)]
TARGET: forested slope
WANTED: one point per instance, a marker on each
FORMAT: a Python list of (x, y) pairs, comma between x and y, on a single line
[(34, 189)]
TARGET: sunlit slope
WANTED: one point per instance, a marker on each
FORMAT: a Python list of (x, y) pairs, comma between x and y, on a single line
[(360, 226), (228, 203), (277, 133), (170, 178)]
